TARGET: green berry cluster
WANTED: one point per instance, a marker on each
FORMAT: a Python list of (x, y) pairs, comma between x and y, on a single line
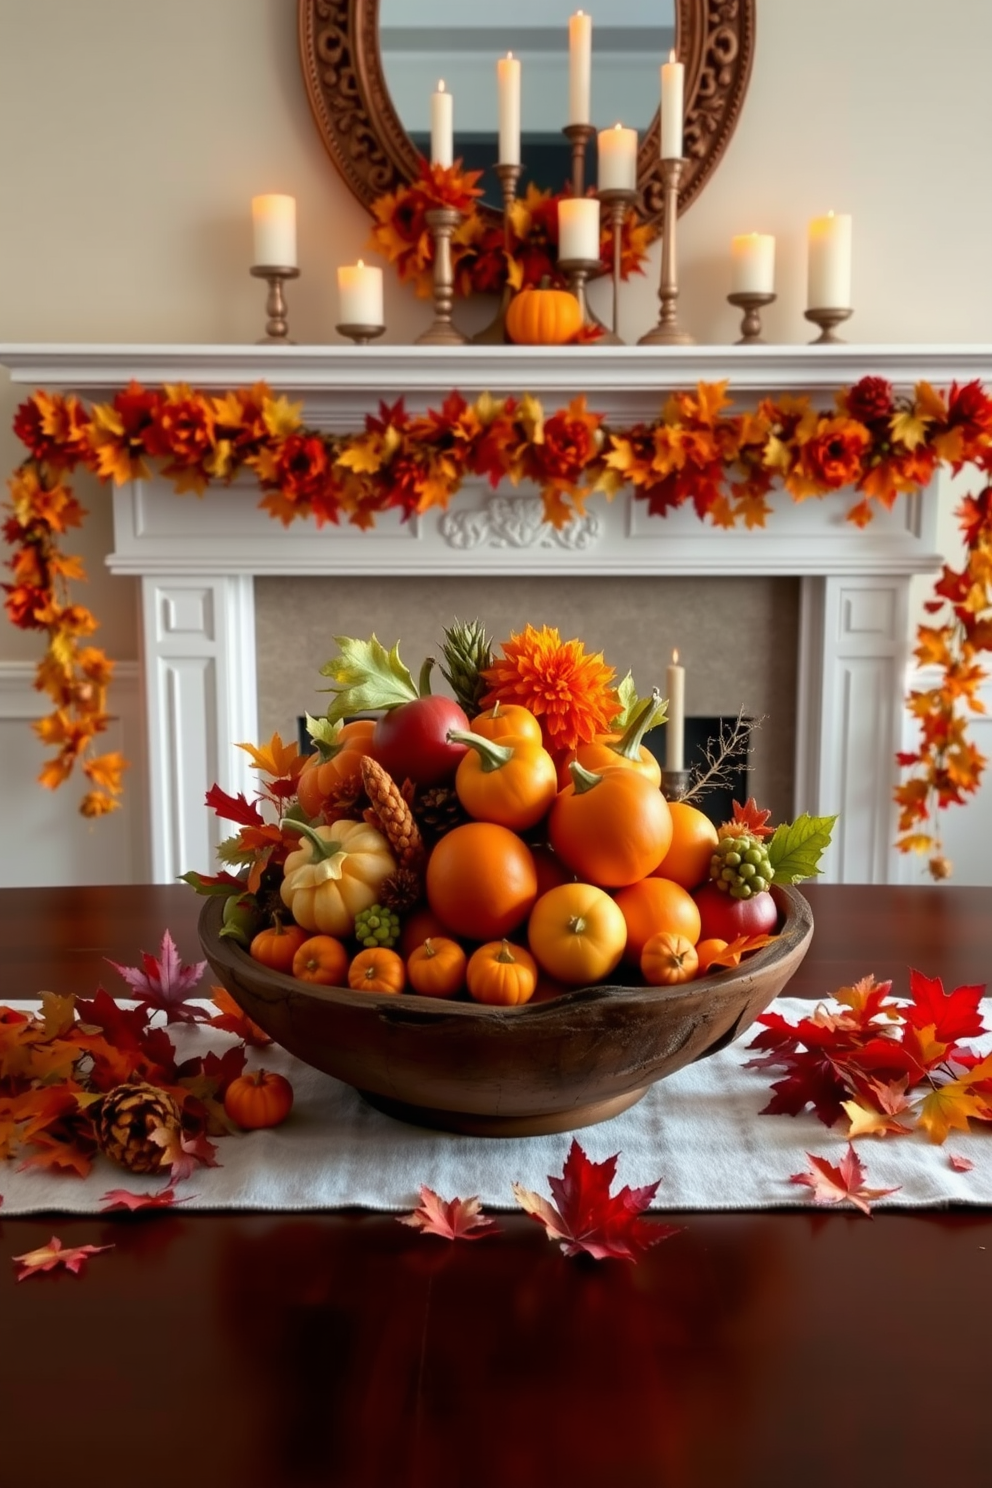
[(740, 866), (377, 926)]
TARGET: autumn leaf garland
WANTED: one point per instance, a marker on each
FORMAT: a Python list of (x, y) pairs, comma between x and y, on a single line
[(724, 464)]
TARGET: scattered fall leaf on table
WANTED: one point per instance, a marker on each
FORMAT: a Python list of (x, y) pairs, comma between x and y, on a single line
[(122, 1198), (48, 1257), (163, 983), (231, 1019), (452, 1219), (182, 1154), (960, 1164), (591, 1219), (840, 1183)]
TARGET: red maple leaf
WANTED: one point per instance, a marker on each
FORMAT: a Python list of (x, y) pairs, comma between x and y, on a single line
[(960, 1164), (749, 816), (840, 1183), (47, 1257), (163, 983), (953, 1015), (233, 808), (232, 1019), (588, 1217), (183, 1154), (452, 1219), (122, 1198)]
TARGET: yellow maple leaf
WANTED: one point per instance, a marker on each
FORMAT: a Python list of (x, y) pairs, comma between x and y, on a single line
[(929, 403), (106, 771), (909, 428), (917, 842), (530, 414), (282, 761), (280, 416), (777, 454), (949, 445), (363, 455), (950, 1108), (866, 1122)]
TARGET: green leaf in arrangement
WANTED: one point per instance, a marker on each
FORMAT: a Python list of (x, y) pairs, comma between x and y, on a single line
[(325, 735), (231, 851), (796, 848), (627, 693), (366, 678)]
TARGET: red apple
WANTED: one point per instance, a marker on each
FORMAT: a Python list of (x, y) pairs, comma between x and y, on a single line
[(411, 741), (725, 918)]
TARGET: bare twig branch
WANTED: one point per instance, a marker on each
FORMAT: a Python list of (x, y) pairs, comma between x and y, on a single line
[(732, 744)]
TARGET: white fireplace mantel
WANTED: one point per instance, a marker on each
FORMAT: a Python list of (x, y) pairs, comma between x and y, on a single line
[(197, 559)]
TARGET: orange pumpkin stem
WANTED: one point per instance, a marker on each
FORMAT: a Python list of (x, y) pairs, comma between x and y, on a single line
[(577, 925), (505, 954), (492, 756), (583, 779), (429, 947), (629, 744)]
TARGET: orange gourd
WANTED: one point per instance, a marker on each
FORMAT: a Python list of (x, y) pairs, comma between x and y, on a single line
[(481, 881), (668, 959), (577, 934), (501, 974), (322, 960), (611, 828), (543, 317), (508, 721), (621, 749), (333, 765), (437, 967), (276, 946), (377, 969), (258, 1099), (512, 783), (654, 904)]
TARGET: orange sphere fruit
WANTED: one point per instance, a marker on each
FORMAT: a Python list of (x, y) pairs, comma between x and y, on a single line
[(694, 840), (481, 881), (656, 905)]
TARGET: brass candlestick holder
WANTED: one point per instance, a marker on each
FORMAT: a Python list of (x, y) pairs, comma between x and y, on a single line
[(277, 322), (578, 272), (442, 222), (360, 334), (826, 320), (579, 136), (495, 332), (668, 332), (675, 783), (617, 200), (751, 303)]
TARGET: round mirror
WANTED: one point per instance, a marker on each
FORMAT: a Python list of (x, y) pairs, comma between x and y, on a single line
[(371, 67)]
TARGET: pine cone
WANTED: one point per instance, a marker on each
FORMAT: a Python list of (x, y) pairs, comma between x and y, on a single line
[(392, 816), (439, 810), (401, 890), (128, 1116)]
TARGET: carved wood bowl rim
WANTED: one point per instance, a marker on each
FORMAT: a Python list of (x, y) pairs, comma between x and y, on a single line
[(548, 1066), (365, 137)]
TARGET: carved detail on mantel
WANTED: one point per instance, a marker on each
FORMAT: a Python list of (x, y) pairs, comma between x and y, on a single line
[(517, 522)]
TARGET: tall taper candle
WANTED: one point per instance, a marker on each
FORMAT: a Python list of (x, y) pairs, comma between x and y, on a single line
[(675, 725), (579, 68), (672, 88), (274, 222), (442, 126), (508, 89)]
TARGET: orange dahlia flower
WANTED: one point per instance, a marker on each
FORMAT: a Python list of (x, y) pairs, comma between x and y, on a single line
[(570, 691)]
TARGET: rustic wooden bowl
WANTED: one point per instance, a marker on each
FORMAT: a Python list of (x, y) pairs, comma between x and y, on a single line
[(509, 1071)]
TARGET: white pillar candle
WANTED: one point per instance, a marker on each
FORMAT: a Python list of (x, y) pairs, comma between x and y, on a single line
[(675, 725), (508, 91), (442, 127), (579, 68), (752, 264), (360, 295), (829, 266), (274, 221), (578, 228), (617, 159), (672, 87)]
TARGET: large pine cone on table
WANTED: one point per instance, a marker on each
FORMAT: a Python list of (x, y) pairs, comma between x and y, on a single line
[(128, 1116)]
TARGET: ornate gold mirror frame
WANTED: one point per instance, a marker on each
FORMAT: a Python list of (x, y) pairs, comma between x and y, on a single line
[(342, 69)]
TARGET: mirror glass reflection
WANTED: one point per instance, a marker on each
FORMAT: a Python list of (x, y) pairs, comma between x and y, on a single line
[(446, 39)]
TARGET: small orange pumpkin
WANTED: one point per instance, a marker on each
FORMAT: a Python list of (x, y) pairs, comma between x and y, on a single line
[(323, 960), (436, 968), (277, 945), (258, 1098), (577, 933), (502, 974), (668, 959), (543, 317), (377, 969)]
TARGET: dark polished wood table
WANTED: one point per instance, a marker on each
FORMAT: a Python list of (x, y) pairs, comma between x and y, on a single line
[(757, 1350)]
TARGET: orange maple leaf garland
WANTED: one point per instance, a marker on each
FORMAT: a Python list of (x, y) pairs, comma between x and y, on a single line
[(724, 464)]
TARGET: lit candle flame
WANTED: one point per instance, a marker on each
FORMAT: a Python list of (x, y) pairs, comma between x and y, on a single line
[(440, 86), (675, 658), (671, 56)]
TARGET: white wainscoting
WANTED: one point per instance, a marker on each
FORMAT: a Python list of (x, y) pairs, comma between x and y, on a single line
[(46, 841)]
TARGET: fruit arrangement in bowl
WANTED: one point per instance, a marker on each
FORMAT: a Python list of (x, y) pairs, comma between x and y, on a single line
[(480, 909)]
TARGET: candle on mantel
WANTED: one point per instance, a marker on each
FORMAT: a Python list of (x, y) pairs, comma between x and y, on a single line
[(578, 229), (579, 68), (442, 126), (672, 86), (617, 159), (675, 724), (829, 265), (360, 295), (508, 90), (274, 222), (752, 264)]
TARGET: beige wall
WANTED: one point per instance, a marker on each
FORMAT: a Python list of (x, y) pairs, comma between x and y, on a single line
[(133, 134)]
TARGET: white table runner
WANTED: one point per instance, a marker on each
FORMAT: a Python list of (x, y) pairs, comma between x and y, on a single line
[(699, 1132)]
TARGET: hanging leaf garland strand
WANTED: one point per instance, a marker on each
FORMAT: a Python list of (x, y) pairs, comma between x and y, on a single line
[(725, 464)]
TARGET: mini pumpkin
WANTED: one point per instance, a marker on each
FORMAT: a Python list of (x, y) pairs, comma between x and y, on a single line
[(543, 317)]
